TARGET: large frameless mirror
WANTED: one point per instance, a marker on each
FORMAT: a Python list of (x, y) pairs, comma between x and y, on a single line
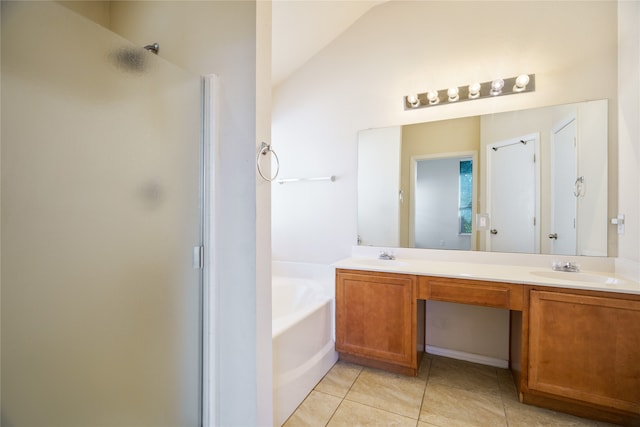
[(529, 181)]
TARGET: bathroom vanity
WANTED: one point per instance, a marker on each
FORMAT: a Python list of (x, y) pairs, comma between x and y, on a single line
[(574, 345)]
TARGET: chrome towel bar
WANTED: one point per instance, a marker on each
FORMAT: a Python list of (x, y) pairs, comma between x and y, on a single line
[(331, 178)]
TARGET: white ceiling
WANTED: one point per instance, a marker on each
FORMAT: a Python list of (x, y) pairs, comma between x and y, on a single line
[(301, 28)]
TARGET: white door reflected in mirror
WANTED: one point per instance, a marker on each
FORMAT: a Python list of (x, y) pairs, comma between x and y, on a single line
[(512, 191)]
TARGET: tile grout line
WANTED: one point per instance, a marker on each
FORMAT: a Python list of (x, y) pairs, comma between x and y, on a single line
[(504, 407), (314, 389), (424, 392), (344, 397), (381, 410), (375, 407)]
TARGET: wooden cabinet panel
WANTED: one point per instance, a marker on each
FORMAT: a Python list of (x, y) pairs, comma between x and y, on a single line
[(376, 316), (475, 292), (585, 348)]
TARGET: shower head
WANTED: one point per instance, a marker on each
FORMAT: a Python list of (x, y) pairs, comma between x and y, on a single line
[(133, 58), (155, 47)]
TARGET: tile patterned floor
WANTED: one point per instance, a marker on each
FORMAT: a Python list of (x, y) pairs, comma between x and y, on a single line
[(446, 393)]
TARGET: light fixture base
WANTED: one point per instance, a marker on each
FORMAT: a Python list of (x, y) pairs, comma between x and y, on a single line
[(509, 88)]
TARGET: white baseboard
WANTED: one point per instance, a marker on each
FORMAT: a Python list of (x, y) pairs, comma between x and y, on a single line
[(469, 357)]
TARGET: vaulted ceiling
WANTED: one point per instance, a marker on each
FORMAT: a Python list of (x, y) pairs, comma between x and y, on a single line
[(301, 28)]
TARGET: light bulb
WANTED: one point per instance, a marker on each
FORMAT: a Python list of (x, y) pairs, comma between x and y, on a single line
[(413, 100), (453, 94), (496, 87), (521, 83), (474, 90), (432, 96)]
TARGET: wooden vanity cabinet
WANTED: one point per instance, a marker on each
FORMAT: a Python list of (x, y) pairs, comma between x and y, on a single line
[(584, 354), (377, 320), (571, 350)]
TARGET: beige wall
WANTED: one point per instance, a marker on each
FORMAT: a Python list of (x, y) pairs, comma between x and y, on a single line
[(446, 136), (97, 11)]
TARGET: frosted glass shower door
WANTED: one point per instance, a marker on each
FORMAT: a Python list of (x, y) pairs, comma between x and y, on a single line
[(101, 305)]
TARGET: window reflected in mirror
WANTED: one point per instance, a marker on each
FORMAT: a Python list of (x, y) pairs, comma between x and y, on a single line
[(442, 202)]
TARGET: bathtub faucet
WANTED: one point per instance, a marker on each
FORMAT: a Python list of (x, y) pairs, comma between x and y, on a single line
[(384, 255)]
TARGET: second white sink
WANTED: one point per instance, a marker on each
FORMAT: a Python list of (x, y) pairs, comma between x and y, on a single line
[(578, 277)]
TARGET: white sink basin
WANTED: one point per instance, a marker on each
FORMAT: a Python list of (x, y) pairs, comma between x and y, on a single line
[(380, 262), (578, 277)]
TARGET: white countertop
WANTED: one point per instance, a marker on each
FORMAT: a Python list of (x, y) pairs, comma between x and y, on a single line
[(529, 275)]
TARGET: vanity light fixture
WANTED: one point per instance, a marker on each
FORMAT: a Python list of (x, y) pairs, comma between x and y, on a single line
[(433, 97), (452, 92), (474, 90), (498, 87), (521, 83), (413, 100)]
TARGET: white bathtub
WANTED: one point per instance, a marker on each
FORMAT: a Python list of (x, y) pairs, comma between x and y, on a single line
[(303, 344)]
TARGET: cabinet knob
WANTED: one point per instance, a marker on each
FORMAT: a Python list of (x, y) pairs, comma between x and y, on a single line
[(553, 236), (493, 231)]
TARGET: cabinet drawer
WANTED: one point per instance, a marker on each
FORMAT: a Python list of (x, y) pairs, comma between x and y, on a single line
[(475, 292)]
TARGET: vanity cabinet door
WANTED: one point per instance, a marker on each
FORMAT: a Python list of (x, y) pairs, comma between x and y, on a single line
[(585, 348), (375, 318)]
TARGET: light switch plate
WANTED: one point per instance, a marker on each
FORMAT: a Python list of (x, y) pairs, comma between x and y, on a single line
[(482, 222), (619, 221)]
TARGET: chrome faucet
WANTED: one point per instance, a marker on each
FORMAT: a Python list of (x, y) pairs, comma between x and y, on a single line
[(387, 256), (566, 266)]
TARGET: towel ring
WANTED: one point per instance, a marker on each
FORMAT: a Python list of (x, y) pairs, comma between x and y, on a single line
[(264, 149)]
